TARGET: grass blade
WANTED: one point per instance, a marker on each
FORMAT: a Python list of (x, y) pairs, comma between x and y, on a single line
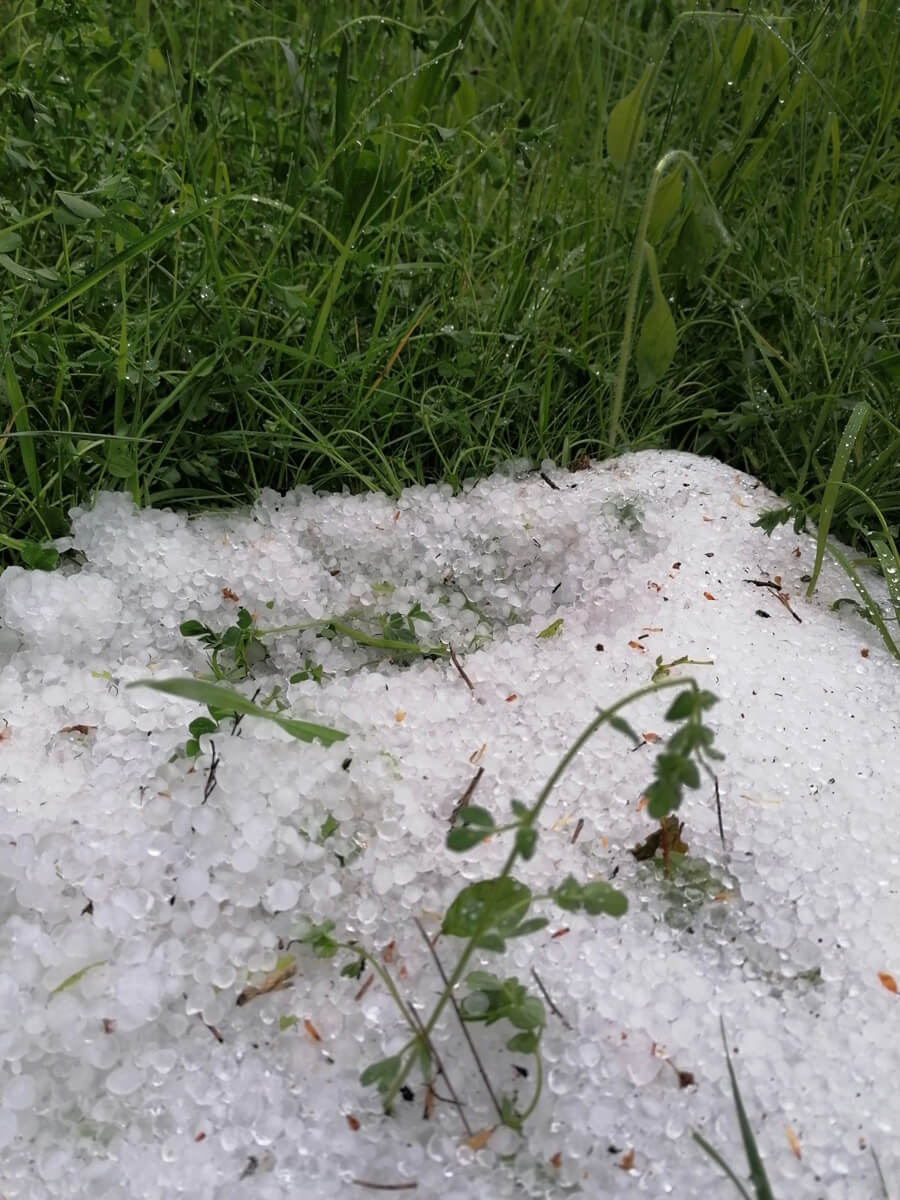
[(889, 561), (852, 433), (23, 427), (881, 1179), (758, 1177), (872, 610), (757, 1170), (232, 701), (721, 1163), (148, 242)]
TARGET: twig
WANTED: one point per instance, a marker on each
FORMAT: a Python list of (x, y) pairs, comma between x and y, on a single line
[(547, 997), (467, 794), (546, 478), (466, 680), (212, 1029), (365, 987), (386, 1187), (432, 1050), (210, 785), (718, 808), (462, 1024)]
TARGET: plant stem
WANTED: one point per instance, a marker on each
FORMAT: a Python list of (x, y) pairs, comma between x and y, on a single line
[(471, 946)]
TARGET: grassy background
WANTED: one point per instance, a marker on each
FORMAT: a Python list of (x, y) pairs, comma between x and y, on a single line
[(247, 245)]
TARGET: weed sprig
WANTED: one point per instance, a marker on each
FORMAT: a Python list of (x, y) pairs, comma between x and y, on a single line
[(485, 915)]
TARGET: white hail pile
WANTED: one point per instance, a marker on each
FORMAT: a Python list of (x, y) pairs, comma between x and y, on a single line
[(144, 1078)]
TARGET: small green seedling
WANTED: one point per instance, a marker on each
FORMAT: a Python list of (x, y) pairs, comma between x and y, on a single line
[(240, 641), (312, 671), (663, 670)]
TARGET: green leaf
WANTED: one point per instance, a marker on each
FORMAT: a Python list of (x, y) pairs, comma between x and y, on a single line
[(663, 797), (193, 629), (484, 981), (42, 276), (382, 1073), (120, 459), (526, 841), (202, 725), (600, 897), (38, 557), (657, 344), (233, 702), (495, 904), (697, 241), (532, 925), (79, 207), (524, 1043), (465, 838), (666, 202), (569, 894), (491, 941), (677, 769), (627, 121), (472, 814), (319, 939), (683, 706), (622, 726), (354, 969), (528, 1013), (329, 826)]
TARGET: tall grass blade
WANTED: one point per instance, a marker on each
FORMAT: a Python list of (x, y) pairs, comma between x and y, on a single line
[(758, 1176), (872, 610), (889, 561), (852, 433), (435, 74), (23, 427), (721, 1163)]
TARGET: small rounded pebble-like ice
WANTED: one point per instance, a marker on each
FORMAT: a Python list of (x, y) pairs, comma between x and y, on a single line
[(195, 939), (282, 895)]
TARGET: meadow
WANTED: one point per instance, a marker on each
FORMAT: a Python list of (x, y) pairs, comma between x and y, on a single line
[(252, 246)]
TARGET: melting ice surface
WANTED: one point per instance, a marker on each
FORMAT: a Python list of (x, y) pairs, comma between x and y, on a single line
[(144, 1078)]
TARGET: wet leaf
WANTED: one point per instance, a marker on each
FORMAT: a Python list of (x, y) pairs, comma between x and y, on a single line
[(627, 121), (83, 209), (657, 344), (666, 202), (37, 557), (492, 904), (231, 701), (479, 1140)]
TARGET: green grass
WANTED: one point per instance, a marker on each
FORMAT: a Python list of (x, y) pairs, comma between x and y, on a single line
[(249, 246)]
